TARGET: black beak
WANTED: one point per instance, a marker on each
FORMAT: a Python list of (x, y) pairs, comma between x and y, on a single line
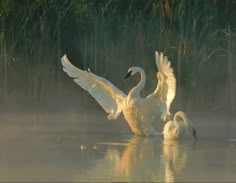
[(194, 134), (128, 75)]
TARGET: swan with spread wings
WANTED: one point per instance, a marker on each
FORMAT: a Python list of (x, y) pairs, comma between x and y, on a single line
[(140, 113)]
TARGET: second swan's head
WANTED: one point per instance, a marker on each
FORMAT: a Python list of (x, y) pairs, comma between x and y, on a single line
[(132, 71)]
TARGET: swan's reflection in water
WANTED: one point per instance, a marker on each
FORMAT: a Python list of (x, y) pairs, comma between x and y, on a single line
[(175, 157), (142, 159), (139, 161)]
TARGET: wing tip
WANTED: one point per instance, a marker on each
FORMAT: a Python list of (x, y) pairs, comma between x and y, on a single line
[(64, 58), (159, 55)]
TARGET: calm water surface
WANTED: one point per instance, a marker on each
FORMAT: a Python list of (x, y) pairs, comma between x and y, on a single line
[(70, 151)]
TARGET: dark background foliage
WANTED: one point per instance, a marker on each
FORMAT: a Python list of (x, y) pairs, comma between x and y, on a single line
[(109, 36)]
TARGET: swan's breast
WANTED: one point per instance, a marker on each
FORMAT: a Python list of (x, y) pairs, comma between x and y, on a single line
[(133, 114)]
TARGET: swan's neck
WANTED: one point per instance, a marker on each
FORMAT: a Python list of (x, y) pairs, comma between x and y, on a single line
[(135, 91), (181, 115)]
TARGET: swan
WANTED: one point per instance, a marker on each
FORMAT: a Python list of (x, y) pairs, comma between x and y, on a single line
[(179, 127), (140, 113)]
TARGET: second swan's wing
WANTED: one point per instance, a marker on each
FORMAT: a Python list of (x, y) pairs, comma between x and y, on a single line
[(107, 95)]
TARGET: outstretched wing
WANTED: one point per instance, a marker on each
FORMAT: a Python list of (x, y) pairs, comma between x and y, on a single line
[(107, 95), (166, 86)]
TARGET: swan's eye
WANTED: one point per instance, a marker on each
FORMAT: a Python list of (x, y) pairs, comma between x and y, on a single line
[(128, 74)]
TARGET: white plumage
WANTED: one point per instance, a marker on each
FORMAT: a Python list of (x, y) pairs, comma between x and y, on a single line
[(180, 126), (140, 113)]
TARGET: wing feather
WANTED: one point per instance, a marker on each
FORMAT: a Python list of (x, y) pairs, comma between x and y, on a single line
[(166, 86), (106, 94)]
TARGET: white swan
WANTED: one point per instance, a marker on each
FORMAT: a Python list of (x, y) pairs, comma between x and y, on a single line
[(140, 113), (179, 127)]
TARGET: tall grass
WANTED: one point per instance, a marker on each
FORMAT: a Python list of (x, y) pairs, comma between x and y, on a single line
[(109, 36)]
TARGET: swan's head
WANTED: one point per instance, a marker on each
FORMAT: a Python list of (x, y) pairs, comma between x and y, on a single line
[(192, 130), (194, 133), (132, 71)]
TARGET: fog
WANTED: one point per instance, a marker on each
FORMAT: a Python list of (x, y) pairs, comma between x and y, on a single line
[(53, 130)]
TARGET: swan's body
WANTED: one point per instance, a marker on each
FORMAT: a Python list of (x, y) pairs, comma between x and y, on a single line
[(179, 127), (140, 113)]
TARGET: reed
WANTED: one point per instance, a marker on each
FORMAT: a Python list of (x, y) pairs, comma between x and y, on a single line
[(197, 36)]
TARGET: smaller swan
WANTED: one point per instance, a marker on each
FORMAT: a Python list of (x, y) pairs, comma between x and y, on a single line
[(179, 127)]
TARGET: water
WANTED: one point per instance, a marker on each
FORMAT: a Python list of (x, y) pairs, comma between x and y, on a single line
[(35, 149)]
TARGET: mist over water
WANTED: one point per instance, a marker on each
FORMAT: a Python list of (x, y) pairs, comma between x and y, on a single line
[(94, 149), (85, 146), (52, 130)]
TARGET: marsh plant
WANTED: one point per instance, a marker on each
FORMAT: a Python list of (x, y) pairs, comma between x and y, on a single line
[(109, 36)]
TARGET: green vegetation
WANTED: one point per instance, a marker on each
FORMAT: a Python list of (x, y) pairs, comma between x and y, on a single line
[(198, 36)]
